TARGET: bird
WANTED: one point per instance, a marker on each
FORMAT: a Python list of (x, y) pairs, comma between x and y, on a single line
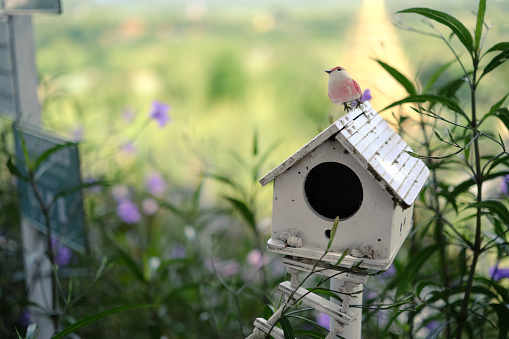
[(343, 90)]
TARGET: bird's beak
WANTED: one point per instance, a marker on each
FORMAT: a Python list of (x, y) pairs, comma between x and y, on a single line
[(327, 71)]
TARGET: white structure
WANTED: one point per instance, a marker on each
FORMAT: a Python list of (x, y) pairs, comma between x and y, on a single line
[(358, 169)]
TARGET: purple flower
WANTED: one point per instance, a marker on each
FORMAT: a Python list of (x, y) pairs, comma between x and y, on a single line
[(24, 318), (178, 251), (256, 259), (366, 96), (323, 320), (504, 186), (78, 133), (129, 148), (432, 325), (159, 113), (128, 211), (156, 184), (387, 275), (63, 254), (128, 114), (93, 188), (497, 273)]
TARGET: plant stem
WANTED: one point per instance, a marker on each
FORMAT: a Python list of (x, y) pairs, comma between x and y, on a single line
[(49, 252), (463, 314)]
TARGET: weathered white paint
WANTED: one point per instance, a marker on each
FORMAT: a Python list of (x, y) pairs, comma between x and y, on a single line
[(274, 331), (322, 268), (318, 303)]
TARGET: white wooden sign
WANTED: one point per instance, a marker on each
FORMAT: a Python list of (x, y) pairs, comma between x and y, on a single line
[(8, 103), (22, 7)]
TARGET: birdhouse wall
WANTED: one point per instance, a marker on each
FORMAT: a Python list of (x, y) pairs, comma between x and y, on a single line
[(401, 226), (371, 224)]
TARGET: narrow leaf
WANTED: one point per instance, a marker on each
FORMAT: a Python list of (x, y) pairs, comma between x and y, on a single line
[(454, 24), (244, 211), (447, 102), (501, 46), (399, 77), (494, 207), (310, 334), (49, 152), (13, 169), (480, 23), (494, 108), (287, 328), (495, 62), (436, 75), (95, 317), (503, 115), (333, 233), (437, 135)]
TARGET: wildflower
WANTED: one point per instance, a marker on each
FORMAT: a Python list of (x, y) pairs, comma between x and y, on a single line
[(256, 259), (159, 113), (63, 254), (128, 212), (78, 133), (93, 188), (129, 148), (156, 184), (497, 273), (323, 320), (128, 114), (178, 251), (24, 318), (504, 186), (366, 96), (149, 206)]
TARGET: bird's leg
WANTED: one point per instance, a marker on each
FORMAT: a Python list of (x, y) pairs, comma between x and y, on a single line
[(358, 103), (347, 108)]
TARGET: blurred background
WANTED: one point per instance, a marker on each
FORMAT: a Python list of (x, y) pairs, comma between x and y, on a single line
[(244, 85), (227, 69)]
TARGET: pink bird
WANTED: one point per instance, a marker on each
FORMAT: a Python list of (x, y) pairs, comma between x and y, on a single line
[(343, 90)]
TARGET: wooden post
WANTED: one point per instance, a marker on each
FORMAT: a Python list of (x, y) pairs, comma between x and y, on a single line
[(352, 331), (37, 266)]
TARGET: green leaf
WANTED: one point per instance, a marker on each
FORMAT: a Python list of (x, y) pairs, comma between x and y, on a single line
[(244, 211), (494, 207), (447, 102), (413, 266), (480, 23), (255, 143), (332, 233), (495, 62), (49, 152), (268, 311), (503, 115), (437, 135), (445, 19), (95, 317), (436, 75), (13, 169), (449, 89), (501, 46), (413, 154), (503, 314), (494, 108), (399, 77), (345, 252), (287, 328)]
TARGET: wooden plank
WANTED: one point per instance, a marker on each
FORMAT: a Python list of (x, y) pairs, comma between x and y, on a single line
[(325, 269), (264, 326), (318, 303), (416, 186)]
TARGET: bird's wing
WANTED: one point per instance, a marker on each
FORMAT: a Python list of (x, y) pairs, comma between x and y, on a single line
[(357, 86)]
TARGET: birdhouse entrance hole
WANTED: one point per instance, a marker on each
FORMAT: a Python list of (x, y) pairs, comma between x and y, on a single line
[(333, 189)]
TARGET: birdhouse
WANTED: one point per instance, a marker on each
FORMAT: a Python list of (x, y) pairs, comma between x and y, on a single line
[(357, 169)]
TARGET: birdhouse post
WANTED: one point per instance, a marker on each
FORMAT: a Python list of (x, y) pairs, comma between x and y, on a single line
[(357, 169)]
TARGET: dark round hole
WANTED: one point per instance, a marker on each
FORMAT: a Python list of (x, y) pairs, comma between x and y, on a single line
[(332, 189), (327, 234)]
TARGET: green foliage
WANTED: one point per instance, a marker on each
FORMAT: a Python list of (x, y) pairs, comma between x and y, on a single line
[(459, 222)]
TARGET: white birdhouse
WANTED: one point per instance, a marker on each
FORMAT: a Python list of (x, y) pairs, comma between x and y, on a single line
[(357, 169)]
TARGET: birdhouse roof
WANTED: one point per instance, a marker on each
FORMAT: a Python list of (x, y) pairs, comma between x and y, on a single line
[(377, 148)]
